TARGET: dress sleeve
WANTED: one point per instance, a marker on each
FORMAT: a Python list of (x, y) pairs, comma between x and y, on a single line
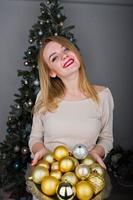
[(105, 138), (37, 130)]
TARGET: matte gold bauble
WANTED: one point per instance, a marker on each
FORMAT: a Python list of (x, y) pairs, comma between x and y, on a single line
[(88, 160), (98, 169), (97, 182), (56, 173), (65, 191), (38, 174), (55, 166), (84, 190), (60, 152), (43, 163), (80, 151), (82, 171), (49, 157), (66, 164), (70, 177), (49, 185)]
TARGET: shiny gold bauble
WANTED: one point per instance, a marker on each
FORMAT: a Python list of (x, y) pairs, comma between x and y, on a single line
[(98, 169), (97, 182), (70, 177), (49, 157), (38, 174), (60, 152), (82, 171), (56, 173), (49, 185), (84, 190), (43, 163), (65, 191), (76, 162), (55, 165), (88, 160), (66, 164)]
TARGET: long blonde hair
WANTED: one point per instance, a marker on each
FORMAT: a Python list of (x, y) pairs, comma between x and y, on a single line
[(53, 89)]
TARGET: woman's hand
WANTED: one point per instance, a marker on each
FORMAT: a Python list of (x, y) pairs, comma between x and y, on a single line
[(97, 154), (38, 155), (97, 158), (39, 151)]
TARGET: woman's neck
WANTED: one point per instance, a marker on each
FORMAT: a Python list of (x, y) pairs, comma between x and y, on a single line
[(73, 91)]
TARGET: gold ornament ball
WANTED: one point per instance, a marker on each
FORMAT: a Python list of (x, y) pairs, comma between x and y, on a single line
[(76, 162), (38, 174), (65, 190), (84, 190), (60, 152), (49, 185), (66, 164), (88, 160), (49, 157), (70, 177), (95, 167), (55, 166), (43, 163), (97, 182), (82, 171), (56, 173)]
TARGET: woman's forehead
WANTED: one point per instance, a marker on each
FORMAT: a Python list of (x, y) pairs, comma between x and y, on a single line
[(51, 47)]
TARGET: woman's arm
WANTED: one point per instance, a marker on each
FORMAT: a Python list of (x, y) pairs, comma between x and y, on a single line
[(105, 139)]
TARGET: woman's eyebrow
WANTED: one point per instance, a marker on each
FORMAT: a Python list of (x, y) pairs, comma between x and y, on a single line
[(52, 55), (62, 46)]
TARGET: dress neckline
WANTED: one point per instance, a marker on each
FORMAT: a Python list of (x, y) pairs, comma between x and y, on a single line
[(83, 100)]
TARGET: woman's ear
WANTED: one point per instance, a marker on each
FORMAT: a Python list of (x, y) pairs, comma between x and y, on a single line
[(52, 74)]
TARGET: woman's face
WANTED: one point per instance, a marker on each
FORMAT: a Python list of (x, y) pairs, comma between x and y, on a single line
[(62, 62)]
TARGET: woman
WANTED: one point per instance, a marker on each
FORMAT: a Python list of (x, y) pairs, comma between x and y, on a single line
[(69, 110)]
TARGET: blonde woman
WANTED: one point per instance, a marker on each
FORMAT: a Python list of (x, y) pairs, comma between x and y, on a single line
[(69, 110)]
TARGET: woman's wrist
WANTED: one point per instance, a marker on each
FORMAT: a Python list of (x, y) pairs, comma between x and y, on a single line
[(39, 147)]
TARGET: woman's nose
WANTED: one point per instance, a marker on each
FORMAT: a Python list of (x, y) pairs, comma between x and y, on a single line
[(64, 55)]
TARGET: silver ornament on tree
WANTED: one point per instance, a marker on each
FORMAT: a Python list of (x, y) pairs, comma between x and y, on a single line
[(36, 82), (80, 151), (16, 149), (40, 33)]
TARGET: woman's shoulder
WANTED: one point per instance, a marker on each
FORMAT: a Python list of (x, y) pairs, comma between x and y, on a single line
[(105, 94), (103, 91), (99, 88)]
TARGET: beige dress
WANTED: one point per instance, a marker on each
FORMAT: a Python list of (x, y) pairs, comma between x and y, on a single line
[(76, 122)]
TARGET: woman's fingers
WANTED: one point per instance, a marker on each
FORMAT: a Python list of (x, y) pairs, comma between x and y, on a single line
[(98, 159), (37, 157)]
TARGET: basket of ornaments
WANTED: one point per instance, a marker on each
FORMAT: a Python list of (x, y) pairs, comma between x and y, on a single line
[(66, 175)]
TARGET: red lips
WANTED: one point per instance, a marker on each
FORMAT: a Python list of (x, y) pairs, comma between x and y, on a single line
[(68, 62)]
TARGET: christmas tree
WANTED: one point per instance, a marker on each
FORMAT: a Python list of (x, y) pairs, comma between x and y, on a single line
[(14, 151)]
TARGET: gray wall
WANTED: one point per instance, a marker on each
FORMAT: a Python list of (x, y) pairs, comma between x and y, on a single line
[(105, 37)]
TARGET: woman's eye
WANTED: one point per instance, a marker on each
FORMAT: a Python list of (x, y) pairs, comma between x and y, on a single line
[(54, 58), (66, 49)]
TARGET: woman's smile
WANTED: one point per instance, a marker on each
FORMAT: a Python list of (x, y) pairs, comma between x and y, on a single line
[(68, 63)]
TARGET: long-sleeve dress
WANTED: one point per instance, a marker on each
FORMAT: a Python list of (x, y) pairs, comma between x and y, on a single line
[(76, 122)]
